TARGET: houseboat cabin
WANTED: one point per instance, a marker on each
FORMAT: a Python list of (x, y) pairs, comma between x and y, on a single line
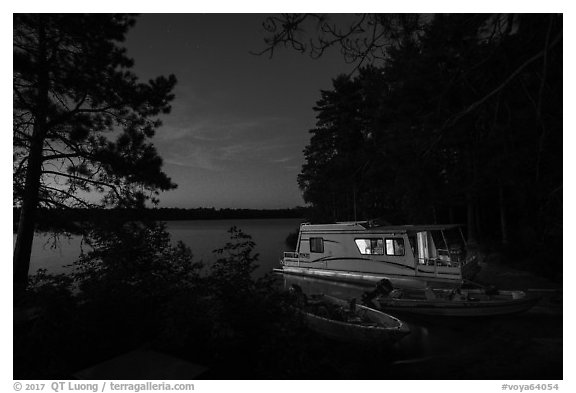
[(408, 255)]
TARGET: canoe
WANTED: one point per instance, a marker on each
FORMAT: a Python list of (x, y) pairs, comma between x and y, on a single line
[(461, 303), (336, 319)]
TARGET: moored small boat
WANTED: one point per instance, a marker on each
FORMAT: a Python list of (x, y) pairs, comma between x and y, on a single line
[(457, 302), (347, 322)]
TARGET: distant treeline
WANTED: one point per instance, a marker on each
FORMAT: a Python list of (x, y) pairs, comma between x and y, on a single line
[(62, 218)]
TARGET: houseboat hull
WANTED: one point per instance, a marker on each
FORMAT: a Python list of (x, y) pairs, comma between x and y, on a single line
[(370, 279)]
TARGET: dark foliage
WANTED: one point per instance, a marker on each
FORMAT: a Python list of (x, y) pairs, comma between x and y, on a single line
[(135, 289)]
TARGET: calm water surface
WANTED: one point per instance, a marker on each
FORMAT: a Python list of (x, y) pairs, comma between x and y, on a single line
[(202, 236)]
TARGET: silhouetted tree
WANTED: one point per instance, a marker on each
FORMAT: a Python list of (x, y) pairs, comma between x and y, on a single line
[(82, 120), (463, 114), (341, 150)]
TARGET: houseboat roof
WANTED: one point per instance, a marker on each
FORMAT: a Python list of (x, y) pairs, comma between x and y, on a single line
[(368, 226)]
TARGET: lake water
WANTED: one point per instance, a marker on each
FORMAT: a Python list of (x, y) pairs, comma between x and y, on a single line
[(202, 236)]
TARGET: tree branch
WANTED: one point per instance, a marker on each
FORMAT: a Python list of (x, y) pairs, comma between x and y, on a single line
[(502, 85), (51, 202), (87, 180), (60, 156), (69, 195), (452, 121)]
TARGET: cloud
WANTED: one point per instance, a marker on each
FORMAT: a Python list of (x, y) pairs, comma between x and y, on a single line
[(281, 160), (194, 157), (219, 144)]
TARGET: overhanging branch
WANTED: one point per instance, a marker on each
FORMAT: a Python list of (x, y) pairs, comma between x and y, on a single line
[(87, 180), (452, 121)]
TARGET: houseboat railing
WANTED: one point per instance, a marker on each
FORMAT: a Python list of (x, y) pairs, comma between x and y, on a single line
[(442, 261), (291, 256), (454, 256)]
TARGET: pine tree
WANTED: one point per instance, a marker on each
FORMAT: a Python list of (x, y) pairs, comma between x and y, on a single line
[(82, 120)]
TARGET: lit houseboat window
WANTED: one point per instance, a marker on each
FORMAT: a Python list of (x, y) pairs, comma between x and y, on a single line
[(370, 246), (395, 246), (317, 244)]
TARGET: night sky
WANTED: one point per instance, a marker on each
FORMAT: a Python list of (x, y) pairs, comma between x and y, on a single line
[(239, 122)]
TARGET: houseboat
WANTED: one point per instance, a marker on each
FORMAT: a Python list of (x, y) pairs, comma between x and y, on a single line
[(410, 256)]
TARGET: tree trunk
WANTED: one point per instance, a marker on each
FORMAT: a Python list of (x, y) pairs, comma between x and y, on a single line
[(471, 212), (471, 215), (27, 221), (354, 201), (503, 225), (334, 215), (478, 220), (451, 215)]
